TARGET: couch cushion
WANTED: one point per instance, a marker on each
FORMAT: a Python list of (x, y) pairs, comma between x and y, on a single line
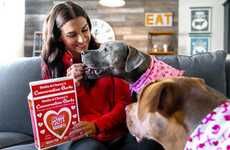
[(210, 66), (10, 139), (30, 146), (14, 88)]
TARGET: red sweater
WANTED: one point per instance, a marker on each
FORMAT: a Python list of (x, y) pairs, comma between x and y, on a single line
[(104, 104)]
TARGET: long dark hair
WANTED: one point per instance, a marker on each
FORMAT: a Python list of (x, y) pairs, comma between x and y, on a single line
[(53, 50)]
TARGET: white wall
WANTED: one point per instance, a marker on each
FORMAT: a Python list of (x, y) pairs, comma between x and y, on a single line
[(12, 14), (217, 26)]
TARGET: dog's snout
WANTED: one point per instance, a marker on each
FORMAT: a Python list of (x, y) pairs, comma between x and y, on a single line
[(83, 52), (127, 108)]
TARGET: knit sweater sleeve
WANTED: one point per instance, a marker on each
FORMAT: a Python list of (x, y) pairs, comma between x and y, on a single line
[(116, 116)]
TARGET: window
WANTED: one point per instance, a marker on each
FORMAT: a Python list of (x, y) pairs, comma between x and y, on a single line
[(12, 29)]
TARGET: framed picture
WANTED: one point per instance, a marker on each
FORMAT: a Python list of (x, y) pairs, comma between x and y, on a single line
[(37, 43), (200, 19), (199, 44)]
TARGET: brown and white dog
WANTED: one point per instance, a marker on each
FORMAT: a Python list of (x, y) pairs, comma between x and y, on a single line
[(168, 110)]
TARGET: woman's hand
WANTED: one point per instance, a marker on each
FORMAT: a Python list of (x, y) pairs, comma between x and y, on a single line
[(83, 129), (76, 71)]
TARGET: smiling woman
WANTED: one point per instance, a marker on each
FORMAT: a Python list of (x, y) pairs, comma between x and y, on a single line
[(12, 14)]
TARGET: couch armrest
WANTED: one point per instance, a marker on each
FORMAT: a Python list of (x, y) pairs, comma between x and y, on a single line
[(11, 138), (14, 88)]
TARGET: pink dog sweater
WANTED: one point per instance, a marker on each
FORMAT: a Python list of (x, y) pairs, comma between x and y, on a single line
[(214, 131), (157, 70)]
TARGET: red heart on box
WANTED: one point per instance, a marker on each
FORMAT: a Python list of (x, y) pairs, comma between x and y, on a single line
[(58, 122)]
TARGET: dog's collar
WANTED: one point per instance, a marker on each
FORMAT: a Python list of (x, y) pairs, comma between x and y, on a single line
[(214, 131), (143, 80), (157, 70)]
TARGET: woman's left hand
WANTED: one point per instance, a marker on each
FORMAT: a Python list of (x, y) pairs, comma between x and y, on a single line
[(83, 129)]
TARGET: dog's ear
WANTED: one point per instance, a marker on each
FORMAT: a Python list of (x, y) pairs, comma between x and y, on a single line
[(159, 96), (134, 59)]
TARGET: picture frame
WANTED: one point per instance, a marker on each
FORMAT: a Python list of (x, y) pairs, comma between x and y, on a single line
[(37, 43), (200, 43), (200, 19)]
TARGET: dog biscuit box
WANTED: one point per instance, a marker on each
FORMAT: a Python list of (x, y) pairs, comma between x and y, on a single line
[(54, 111)]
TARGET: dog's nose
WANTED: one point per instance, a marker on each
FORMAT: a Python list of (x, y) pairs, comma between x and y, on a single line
[(127, 108), (83, 52)]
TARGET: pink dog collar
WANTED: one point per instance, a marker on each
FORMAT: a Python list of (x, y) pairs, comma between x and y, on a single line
[(214, 131), (157, 70)]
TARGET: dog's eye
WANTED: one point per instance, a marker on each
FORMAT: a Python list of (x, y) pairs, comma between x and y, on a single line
[(106, 49)]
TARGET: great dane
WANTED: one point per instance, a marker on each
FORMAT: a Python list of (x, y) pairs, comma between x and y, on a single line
[(169, 111)]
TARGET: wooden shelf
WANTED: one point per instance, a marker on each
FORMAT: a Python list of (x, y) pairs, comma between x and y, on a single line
[(158, 41), (161, 33), (163, 53)]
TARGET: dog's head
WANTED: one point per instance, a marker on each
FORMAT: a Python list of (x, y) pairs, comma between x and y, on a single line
[(115, 58), (161, 110)]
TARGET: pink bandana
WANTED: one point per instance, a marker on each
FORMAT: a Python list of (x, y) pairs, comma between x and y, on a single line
[(157, 70), (214, 131)]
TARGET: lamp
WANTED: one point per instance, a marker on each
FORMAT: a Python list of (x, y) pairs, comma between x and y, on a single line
[(112, 3)]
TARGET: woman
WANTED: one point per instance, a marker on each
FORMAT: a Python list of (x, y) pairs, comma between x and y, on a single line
[(102, 101)]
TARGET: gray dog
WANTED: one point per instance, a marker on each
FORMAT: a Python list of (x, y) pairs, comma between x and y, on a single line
[(118, 59), (136, 67), (168, 111)]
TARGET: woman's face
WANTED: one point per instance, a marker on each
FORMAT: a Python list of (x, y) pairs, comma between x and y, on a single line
[(75, 34)]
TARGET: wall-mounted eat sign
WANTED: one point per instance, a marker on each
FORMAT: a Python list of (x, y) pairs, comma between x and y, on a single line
[(159, 19)]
